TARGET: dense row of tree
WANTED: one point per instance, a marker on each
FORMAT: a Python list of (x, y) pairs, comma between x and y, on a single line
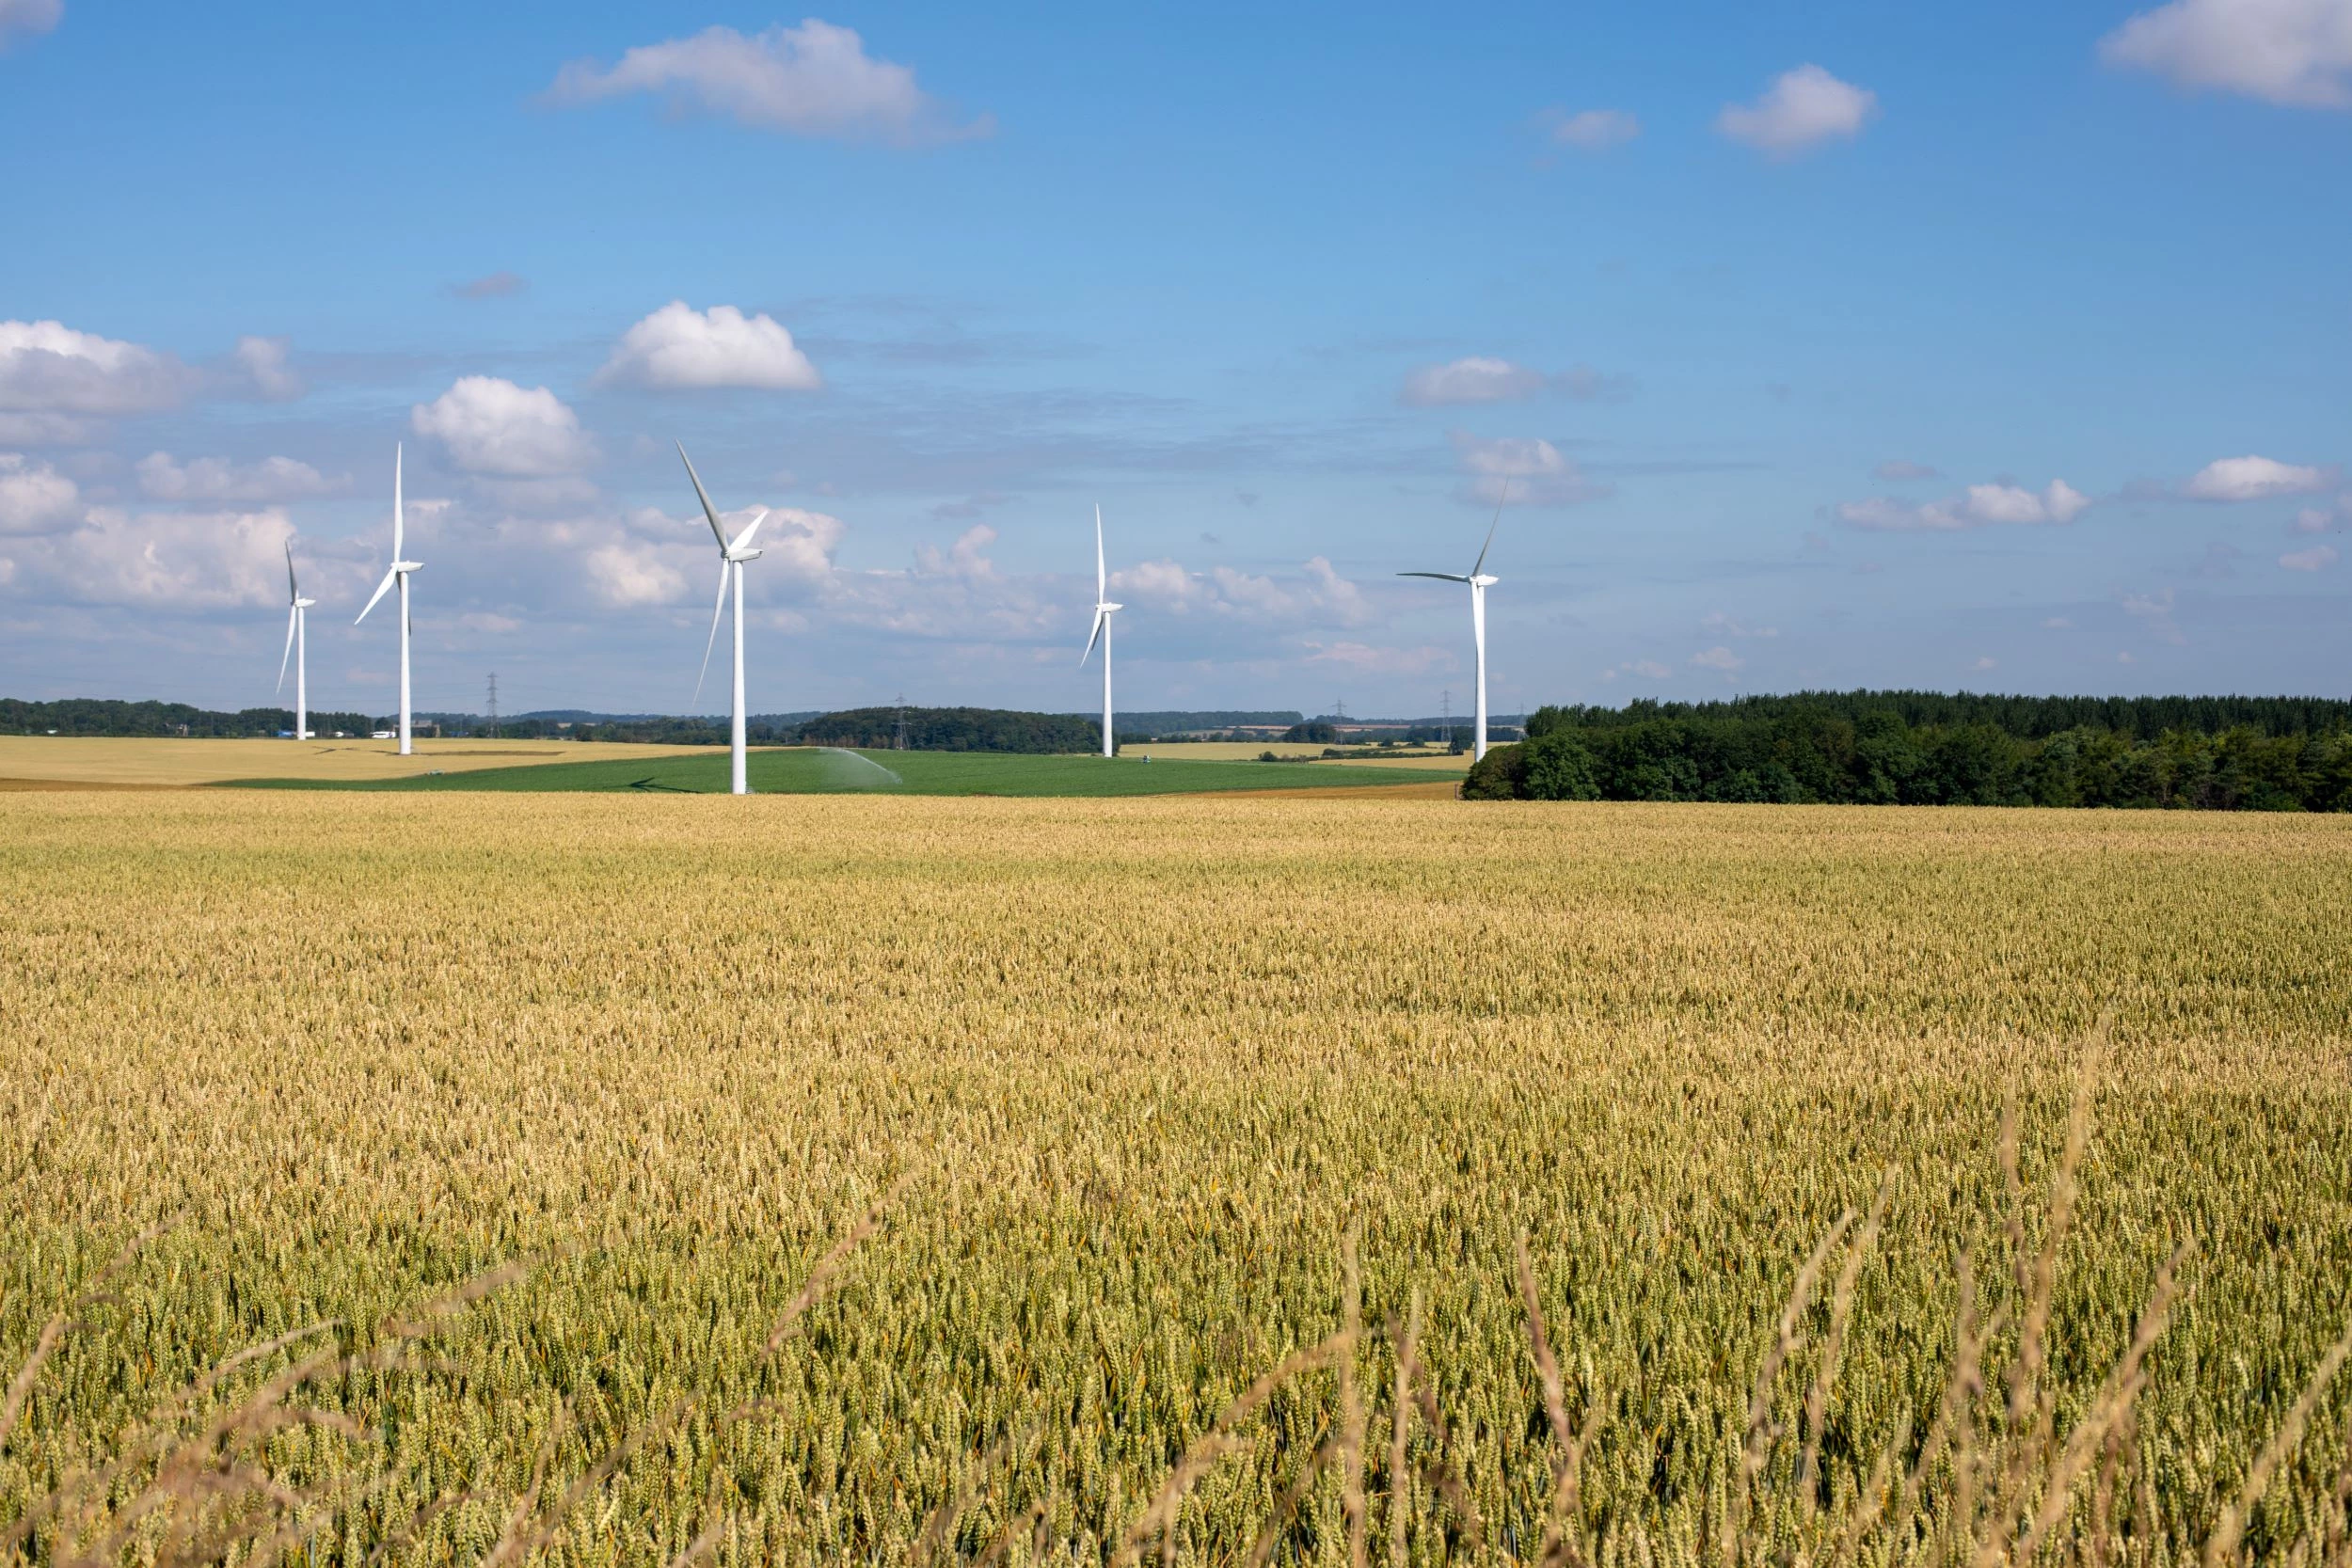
[(2228, 755), (2028, 717), (103, 716)]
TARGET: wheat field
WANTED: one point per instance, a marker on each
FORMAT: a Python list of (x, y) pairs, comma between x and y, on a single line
[(146, 762), (599, 1179)]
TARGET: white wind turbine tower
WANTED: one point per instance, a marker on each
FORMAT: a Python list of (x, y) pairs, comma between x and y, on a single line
[(732, 554), (399, 569), (1104, 610), (297, 649), (1479, 583)]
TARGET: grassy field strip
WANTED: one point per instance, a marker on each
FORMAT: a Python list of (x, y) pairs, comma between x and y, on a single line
[(1145, 1065), (800, 770)]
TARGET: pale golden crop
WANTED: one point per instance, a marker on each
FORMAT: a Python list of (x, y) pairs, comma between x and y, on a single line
[(1145, 1065), (147, 762)]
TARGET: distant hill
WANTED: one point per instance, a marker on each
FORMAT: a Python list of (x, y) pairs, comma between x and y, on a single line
[(1186, 722)]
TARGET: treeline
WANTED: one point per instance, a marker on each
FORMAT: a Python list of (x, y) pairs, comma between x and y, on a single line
[(1841, 748), (2026, 718), (952, 729), (90, 716)]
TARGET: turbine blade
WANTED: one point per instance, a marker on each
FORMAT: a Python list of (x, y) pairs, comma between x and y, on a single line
[(293, 592), (380, 588), (1101, 620), (704, 496), (282, 659), (715, 610), (399, 528), (1101, 582), (1442, 577), (744, 540), (1490, 528)]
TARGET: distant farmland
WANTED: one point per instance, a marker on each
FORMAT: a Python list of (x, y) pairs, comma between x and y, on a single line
[(806, 771)]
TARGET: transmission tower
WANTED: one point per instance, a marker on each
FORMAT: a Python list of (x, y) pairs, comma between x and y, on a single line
[(494, 705), (898, 739)]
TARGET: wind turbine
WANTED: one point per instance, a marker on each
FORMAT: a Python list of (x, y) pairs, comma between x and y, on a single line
[(1103, 611), (399, 569), (732, 554), (1479, 583), (297, 648)]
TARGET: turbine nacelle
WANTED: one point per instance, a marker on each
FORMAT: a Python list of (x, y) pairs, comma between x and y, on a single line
[(1484, 582)]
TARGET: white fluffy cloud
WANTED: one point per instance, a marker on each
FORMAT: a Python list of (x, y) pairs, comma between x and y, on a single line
[(812, 80), (1588, 130), (48, 368), (494, 427), (678, 347), (1979, 506), (28, 19), (1524, 471), (2311, 560), (164, 478), (1802, 110), (1319, 595), (169, 561), (2293, 51), (261, 365), (1717, 658), (629, 571), (34, 496), (2253, 478)]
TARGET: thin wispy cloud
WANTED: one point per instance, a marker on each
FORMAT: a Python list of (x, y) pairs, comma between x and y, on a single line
[(1979, 506), (1587, 130), (1521, 472), (496, 285), (21, 19)]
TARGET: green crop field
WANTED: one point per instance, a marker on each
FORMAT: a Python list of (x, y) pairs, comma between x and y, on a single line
[(824, 770)]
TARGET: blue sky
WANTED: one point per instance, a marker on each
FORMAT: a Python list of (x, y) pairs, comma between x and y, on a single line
[(1999, 347)]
